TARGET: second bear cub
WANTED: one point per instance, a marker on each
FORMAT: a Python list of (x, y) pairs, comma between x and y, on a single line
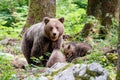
[(56, 56), (73, 50)]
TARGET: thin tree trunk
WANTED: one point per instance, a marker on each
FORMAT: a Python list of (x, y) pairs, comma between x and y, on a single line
[(93, 8), (118, 62), (118, 48), (109, 9), (39, 9)]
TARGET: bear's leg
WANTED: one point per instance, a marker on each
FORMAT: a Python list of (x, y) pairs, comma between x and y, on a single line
[(26, 48), (36, 52)]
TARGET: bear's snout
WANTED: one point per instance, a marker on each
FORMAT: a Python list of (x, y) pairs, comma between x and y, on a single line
[(54, 34)]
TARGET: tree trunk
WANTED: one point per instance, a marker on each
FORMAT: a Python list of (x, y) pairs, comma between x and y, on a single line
[(118, 48), (93, 8), (39, 9), (118, 62), (109, 9), (104, 10)]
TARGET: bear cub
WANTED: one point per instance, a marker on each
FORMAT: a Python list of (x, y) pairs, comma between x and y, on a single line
[(56, 56), (73, 50), (41, 38)]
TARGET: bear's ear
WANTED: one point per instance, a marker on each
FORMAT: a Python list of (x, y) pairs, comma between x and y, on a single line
[(46, 20), (61, 19), (69, 46)]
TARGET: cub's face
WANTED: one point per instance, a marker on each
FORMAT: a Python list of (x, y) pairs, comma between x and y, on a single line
[(54, 28), (69, 52)]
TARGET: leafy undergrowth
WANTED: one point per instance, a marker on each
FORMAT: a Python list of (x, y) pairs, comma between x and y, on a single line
[(74, 15), (13, 47), (7, 72)]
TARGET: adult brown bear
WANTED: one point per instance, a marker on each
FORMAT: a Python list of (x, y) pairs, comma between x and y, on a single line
[(41, 38)]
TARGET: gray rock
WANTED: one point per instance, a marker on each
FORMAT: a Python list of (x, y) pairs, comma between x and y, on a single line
[(55, 67), (95, 67), (100, 78), (43, 78), (19, 62), (65, 75), (96, 70), (82, 71), (79, 69), (93, 71), (8, 56), (4, 41), (31, 77), (34, 70)]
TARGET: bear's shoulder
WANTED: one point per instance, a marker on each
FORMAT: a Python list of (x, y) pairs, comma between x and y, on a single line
[(36, 29)]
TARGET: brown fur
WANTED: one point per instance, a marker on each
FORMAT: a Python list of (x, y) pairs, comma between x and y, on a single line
[(41, 38), (19, 63), (74, 49), (66, 37), (56, 56)]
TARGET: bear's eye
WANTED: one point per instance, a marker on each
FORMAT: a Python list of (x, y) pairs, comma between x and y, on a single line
[(67, 54), (57, 27), (51, 28)]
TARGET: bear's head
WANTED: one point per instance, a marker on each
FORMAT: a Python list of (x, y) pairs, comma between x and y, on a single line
[(69, 52), (54, 28)]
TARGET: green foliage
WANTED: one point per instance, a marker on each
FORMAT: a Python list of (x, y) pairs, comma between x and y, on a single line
[(9, 32), (94, 57), (98, 57), (81, 3), (74, 16), (12, 17), (112, 58), (7, 72), (9, 6), (38, 60)]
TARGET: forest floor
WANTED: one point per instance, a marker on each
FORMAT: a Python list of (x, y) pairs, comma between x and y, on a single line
[(13, 47), (10, 49)]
